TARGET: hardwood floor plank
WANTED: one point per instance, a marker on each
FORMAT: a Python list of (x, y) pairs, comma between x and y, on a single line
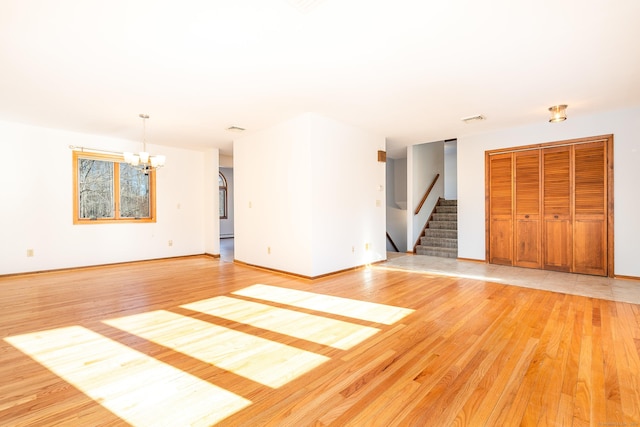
[(370, 346), (569, 363), (490, 395), (627, 357), (520, 399), (549, 391), (583, 411), (611, 384), (417, 364), (463, 375)]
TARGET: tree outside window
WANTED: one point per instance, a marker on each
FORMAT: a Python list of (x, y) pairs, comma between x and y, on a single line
[(108, 190)]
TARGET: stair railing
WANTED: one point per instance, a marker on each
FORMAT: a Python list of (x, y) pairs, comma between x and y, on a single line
[(392, 242), (426, 194)]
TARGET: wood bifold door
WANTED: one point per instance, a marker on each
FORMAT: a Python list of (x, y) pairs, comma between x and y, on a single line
[(550, 206)]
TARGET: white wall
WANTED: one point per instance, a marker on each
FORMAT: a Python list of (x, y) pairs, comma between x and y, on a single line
[(348, 200), (211, 213), (400, 182), (227, 225), (396, 171), (37, 206), (623, 124), (305, 197), (451, 170), (424, 161), (272, 203)]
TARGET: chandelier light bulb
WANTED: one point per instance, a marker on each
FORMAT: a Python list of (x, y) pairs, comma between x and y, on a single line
[(143, 160)]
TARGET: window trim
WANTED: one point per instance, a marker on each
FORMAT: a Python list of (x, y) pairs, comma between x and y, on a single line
[(226, 195), (117, 160)]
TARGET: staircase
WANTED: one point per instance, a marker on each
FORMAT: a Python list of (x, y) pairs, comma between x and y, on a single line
[(441, 232)]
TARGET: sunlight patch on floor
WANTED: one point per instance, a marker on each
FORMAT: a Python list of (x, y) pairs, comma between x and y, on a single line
[(363, 310), (137, 388), (267, 362), (321, 330)]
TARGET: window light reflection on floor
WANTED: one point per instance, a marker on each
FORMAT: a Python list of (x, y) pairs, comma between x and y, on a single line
[(321, 330), (137, 388), (268, 362), (433, 272), (362, 310)]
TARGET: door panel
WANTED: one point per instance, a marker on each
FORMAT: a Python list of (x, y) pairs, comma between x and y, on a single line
[(500, 189), (556, 200), (590, 237), (589, 248), (558, 250), (527, 246), (500, 210), (501, 245), (527, 237)]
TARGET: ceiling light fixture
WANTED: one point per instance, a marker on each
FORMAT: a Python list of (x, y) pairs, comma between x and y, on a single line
[(235, 129), (473, 118), (558, 113), (143, 161)]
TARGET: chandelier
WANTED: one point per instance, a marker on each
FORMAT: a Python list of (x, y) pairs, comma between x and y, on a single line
[(142, 160)]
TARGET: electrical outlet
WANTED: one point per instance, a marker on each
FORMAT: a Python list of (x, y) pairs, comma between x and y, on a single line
[(170, 242), (269, 250), (353, 249), (367, 246), (29, 252)]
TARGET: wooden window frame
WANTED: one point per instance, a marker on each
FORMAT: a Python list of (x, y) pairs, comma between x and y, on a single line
[(116, 160), (224, 187)]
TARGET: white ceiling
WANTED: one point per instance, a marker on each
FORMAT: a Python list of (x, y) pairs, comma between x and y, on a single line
[(405, 70)]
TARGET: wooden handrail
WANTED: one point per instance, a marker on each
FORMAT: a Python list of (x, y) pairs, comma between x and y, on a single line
[(426, 194), (392, 242)]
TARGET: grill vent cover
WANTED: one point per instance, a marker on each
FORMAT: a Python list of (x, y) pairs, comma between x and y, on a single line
[(477, 117)]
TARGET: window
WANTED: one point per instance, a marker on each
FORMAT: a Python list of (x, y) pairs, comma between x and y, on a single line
[(108, 190), (222, 194)]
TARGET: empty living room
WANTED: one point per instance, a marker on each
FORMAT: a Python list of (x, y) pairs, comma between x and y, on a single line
[(319, 213)]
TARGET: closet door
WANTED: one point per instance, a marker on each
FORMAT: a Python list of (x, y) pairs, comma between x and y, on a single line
[(527, 236), (590, 212), (556, 207), (500, 209)]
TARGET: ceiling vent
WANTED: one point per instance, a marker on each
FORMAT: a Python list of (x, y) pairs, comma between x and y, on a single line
[(470, 119)]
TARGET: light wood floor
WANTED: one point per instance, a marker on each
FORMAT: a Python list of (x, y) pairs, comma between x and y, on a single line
[(199, 341)]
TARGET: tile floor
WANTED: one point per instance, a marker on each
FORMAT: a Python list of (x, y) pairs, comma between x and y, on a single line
[(576, 284)]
